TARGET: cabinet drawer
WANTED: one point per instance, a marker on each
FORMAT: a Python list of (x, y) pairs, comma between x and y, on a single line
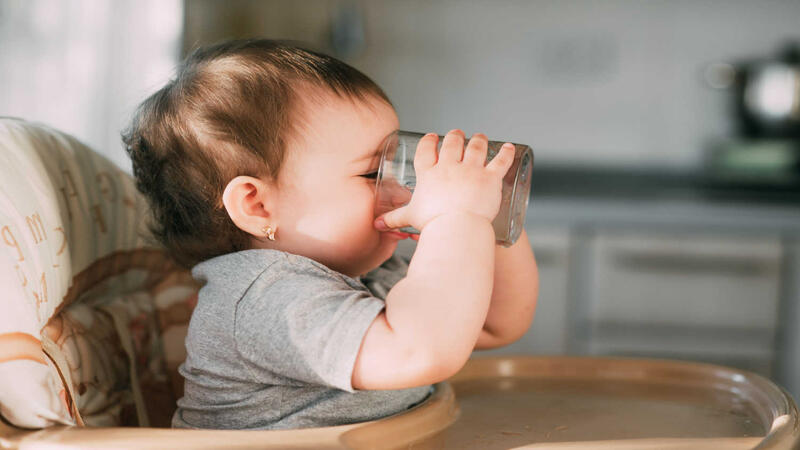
[(549, 332), (685, 279)]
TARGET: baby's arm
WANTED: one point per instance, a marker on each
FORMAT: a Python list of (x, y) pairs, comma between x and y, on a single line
[(434, 315), (516, 288)]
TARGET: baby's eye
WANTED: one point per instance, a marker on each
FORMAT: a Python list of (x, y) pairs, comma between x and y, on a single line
[(371, 175)]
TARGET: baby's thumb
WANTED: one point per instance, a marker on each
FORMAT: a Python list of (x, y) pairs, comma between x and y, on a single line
[(392, 219)]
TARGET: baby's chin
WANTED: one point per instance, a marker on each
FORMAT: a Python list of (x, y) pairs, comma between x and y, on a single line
[(369, 256), (387, 247), (381, 253)]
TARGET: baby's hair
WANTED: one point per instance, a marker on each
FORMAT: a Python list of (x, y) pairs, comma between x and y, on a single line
[(229, 111)]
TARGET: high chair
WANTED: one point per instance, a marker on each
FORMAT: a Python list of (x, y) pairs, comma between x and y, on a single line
[(94, 314)]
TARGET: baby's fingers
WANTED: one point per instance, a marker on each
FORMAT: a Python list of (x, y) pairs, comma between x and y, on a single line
[(425, 157), (452, 146), (475, 153), (503, 160), (396, 218)]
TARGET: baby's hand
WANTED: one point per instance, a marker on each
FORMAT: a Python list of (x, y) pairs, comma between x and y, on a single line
[(458, 181)]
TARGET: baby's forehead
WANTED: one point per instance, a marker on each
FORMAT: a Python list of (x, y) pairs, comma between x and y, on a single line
[(310, 100), (342, 126)]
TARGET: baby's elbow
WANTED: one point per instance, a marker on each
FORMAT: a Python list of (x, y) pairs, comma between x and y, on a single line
[(439, 366), (518, 332), (512, 331), (526, 318), (488, 340)]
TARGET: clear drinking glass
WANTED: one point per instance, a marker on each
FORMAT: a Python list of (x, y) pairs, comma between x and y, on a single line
[(397, 180)]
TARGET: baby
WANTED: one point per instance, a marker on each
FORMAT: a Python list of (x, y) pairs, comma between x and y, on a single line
[(259, 162)]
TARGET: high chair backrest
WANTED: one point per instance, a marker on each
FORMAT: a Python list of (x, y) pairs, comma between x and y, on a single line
[(94, 312)]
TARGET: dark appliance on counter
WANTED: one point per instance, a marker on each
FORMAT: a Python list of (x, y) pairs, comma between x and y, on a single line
[(768, 96), (765, 94)]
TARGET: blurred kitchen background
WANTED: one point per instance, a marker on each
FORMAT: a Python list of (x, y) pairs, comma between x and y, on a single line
[(665, 213)]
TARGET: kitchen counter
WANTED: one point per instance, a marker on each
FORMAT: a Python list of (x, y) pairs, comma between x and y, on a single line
[(617, 197), (777, 188)]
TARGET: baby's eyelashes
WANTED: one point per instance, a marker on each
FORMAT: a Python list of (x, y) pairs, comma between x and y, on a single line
[(372, 175)]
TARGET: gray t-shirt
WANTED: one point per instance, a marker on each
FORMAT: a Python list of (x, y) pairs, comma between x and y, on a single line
[(273, 340)]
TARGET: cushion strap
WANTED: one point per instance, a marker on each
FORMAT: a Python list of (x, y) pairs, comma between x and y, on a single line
[(121, 324), (53, 352)]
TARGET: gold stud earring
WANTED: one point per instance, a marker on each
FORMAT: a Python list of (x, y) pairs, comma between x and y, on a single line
[(269, 232)]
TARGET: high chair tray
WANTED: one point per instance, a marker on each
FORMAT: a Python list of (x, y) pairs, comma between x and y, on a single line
[(615, 403), (522, 402)]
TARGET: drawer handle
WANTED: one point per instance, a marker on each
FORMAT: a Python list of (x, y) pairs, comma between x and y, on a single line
[(691, 264)]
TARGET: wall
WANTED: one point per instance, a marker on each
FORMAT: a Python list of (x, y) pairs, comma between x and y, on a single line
[(613, 82), (83, 66)]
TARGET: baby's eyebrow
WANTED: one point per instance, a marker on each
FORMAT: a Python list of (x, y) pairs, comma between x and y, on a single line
[(370, 155), (373, 153)]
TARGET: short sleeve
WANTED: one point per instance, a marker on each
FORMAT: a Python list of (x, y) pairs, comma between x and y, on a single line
[(381, 279), (304, 324)]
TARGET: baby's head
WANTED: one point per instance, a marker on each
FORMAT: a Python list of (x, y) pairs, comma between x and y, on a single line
[(255, 134)]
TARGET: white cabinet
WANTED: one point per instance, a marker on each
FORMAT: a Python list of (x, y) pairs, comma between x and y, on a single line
[(694, 295), (549, 333), (683, 295)]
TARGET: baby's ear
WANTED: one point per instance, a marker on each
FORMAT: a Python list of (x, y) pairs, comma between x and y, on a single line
[(250, 202)]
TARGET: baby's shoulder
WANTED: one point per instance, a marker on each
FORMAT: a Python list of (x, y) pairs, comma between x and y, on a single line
[(264, 278), (302, 273), (295, 285), (231, 268), (267, 267)]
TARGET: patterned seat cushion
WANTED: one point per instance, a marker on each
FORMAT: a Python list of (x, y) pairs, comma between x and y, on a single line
[(89, 296)]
